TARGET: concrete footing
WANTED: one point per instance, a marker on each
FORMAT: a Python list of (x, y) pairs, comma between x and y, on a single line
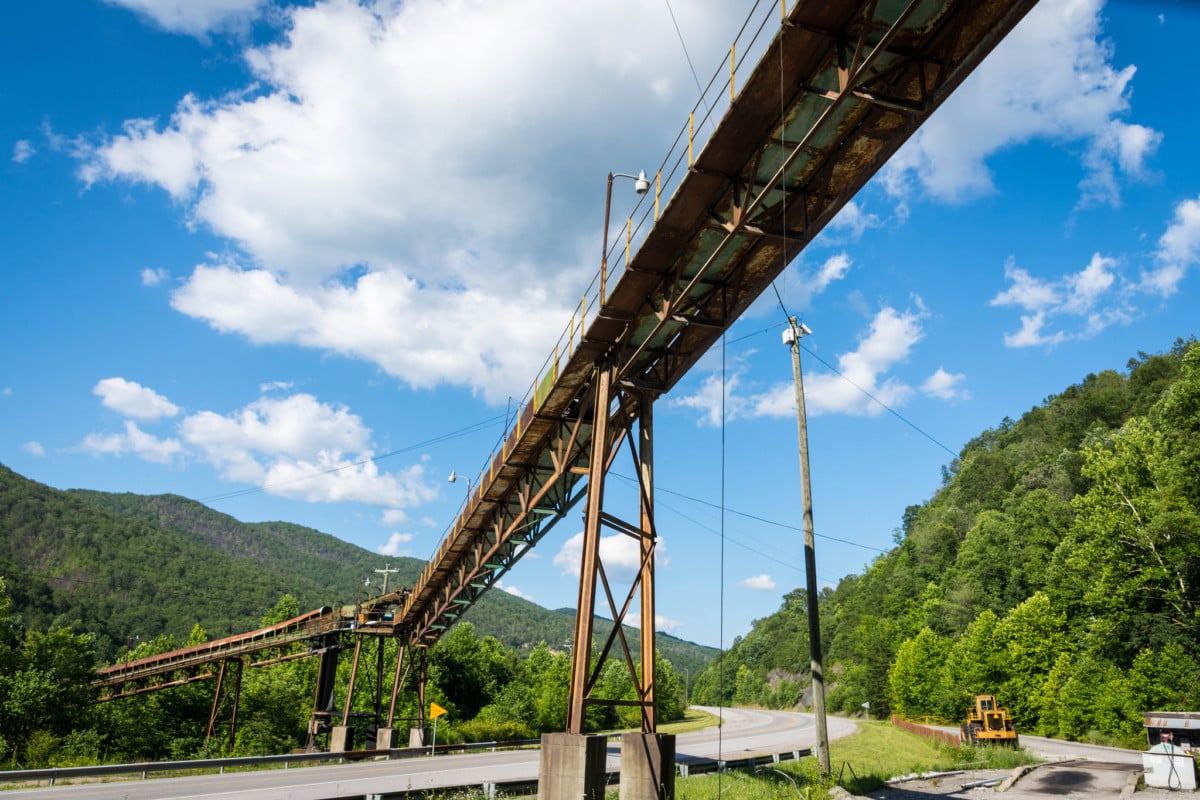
[(341, 739), (387, 739), (573, 767), (647, 766), (418, 737)]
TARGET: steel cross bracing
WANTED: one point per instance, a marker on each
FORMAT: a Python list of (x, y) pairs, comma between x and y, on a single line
[(840, 88)]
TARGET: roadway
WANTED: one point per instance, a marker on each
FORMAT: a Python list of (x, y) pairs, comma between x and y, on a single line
[(744, 733)]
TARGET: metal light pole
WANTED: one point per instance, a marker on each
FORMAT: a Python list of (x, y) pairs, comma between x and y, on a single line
[(454, 476), (641, 185), (791, 337)]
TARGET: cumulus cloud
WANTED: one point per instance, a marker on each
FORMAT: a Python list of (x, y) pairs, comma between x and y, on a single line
[(886, 344), (294, 446), (302, 448), (398, 265), (944, 385), (394, 516), (666, 624), (22, 151), (759, 583), (154, 277), (1052, 79), (1178, 250), (620, 554), (513, 590), (194, 18), (421, 336), (853, 220), (34, 448), (394, 546), (133, 400), (1070, 307), (145, 446)]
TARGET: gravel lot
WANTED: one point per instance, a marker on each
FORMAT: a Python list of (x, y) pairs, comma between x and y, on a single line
[(1072, 771)]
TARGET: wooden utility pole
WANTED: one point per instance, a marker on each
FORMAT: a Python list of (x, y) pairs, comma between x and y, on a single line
[(388, 569), (792, 337)]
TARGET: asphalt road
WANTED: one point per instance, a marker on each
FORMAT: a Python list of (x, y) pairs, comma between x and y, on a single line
[(744, 733)]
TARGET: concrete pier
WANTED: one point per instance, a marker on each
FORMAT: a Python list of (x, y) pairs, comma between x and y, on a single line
[(572, 767), (341, 739), (647, 766)]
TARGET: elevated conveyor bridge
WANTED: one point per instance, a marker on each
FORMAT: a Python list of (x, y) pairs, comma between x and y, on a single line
[(836, 90)]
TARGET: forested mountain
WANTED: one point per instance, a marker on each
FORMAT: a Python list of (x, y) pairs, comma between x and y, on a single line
[(1058, 567), (130, 567), (87, 577)]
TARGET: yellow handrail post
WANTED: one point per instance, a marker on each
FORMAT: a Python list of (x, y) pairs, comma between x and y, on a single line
[(691, 136), (732, 69), (628, 239)]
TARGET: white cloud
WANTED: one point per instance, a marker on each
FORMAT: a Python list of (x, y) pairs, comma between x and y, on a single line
[(1178, 250), (424, 337), (394, 516), (620, 554), (134, 440), (154, 277), (341, 255), (666, 624), (513, 590), (1052, 79), (1074, 306), (299, 447), (886, 344), (395, 545), (945, 385), (759, 583), (275, 386), (852, 219), (133, 400), (34, 448), (293, 446), (707, 399), (22, 151), (1026, 291), (192, 17)]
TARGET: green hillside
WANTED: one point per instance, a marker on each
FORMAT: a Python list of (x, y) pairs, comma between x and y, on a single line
[(1058, 567), (130, 567)]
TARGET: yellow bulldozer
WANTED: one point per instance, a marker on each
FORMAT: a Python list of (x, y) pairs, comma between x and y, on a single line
[(987, 723)]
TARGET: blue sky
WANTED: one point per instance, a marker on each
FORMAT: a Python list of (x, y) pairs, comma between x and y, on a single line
[(298, 262)]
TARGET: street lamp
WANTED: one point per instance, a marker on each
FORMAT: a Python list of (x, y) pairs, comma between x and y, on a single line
[(640, 185), (454, 476)]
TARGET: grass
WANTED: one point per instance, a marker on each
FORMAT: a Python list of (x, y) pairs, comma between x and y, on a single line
[(861, 762), (693, 720)]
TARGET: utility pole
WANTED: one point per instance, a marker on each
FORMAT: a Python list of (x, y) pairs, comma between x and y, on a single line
[(385, 572), (791, 337)]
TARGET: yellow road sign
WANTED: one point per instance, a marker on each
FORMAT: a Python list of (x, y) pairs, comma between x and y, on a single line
[(435, 711)]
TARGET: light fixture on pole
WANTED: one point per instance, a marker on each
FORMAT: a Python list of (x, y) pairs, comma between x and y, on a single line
[(791, 337), (454, 476), (641, 185)]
